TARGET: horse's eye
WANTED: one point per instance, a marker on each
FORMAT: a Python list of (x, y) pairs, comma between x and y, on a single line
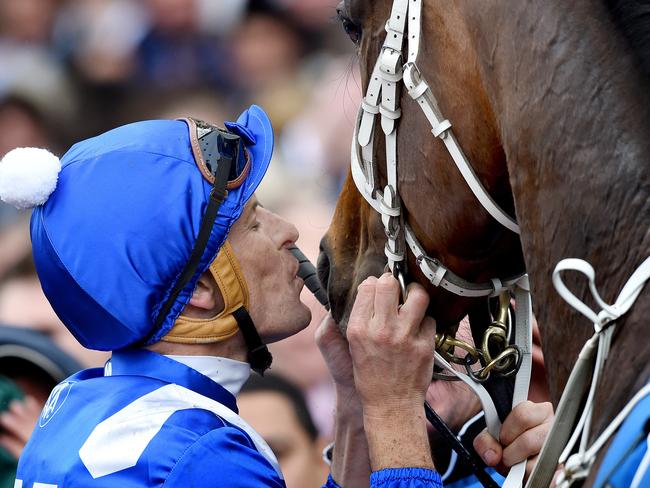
[(352, 29)]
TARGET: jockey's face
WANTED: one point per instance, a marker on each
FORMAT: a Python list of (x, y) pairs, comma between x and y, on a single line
[(261, 241)]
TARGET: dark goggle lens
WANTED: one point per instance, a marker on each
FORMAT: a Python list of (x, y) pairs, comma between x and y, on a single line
[(218, 144)]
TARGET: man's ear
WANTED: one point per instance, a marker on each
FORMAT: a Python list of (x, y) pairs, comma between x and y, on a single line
[(206, 301)]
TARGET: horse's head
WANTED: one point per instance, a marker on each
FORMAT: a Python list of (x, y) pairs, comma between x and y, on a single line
[(444, 214)]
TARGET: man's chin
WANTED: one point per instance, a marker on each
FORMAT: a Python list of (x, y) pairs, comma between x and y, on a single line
[(301, 322), (305, 319)]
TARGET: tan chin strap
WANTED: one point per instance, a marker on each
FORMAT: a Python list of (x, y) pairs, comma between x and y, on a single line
[(227, 273)]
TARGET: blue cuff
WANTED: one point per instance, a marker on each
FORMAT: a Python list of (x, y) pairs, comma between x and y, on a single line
[(406, 478), (330, 483)]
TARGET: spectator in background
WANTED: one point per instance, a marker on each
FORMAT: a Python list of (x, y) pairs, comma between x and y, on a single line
[(277, 410), (30, 366), (28, 21), (268, 48), (176, 52), (23, 305), (22, 125), (321, 132), (31, 115)]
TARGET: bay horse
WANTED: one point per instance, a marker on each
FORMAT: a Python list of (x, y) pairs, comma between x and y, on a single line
[(550, 101)]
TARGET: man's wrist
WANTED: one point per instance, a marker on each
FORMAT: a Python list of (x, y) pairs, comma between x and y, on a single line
[(350, 465), (394, 417), (348, 402), (387, 427), (393, 409)]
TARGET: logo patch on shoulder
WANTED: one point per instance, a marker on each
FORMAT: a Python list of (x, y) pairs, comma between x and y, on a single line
[(55, 401)]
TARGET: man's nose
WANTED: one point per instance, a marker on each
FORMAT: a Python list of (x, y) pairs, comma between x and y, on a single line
[(288, 232), (292, 232)]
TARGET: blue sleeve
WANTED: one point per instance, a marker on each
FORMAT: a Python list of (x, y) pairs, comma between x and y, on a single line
[(405, 478), (472, 481), (330, 483), (399, 478), (223, 457)]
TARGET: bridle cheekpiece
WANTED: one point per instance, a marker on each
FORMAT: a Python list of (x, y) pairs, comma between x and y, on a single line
[(382, 98)]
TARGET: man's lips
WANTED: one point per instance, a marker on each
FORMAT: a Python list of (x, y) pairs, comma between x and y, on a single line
[(295, 270)]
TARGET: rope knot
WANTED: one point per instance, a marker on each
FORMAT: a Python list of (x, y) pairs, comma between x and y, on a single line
[(606, 318), (576, 468)]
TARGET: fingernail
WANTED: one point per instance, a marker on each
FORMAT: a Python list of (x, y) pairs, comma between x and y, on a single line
[(490, 457)]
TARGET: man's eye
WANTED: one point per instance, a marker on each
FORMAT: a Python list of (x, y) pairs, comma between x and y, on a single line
[(352, 29)]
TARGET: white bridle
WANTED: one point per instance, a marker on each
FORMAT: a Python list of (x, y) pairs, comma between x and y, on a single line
[(383, 98)]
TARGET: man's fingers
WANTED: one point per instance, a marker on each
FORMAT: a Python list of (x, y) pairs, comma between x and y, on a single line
[(523, 417), (364, 303), (416, 303), (530, 465), (428, 329), (327, 333), (488, 448), (18, 421), (31, 404), (528, 444), (387, 295), (9, 420), (12, 445)]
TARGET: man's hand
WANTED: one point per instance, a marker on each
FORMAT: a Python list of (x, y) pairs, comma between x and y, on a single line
[(391, 346), (350, 462), (454, 401), (392, 357), (336, 352), (522, 436), (17, 424)]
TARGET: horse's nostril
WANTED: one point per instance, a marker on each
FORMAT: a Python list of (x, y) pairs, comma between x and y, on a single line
[(340, 8), (323, 267)]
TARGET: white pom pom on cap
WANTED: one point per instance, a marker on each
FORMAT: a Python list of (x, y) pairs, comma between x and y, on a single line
[(28, 176)]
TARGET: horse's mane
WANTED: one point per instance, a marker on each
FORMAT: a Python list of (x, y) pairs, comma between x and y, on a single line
[(632, 17)]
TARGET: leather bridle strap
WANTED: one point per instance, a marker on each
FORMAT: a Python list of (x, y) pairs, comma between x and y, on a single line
[(365, 181), (439, 275), (418, 90), (382, 97)]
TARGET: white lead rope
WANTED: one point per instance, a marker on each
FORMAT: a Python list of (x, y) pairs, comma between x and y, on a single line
[(591, 360), (524, 341)]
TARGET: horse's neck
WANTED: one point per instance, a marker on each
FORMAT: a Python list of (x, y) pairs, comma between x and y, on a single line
[(574, 112)]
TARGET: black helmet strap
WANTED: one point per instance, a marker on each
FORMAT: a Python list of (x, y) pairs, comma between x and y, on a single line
[(217, 195), (259, 356)]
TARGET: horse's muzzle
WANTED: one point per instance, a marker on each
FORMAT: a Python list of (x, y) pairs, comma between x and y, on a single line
[(323, 265)]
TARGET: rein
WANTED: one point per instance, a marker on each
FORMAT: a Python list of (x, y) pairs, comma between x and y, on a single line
[(382, 98)]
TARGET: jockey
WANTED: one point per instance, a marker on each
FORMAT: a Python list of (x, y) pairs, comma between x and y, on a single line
[(149, 242)]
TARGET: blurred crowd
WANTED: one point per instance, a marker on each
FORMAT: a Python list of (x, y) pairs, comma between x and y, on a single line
[(75, 68)]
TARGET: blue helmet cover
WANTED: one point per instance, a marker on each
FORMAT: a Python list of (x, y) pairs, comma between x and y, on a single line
[(113, 238)]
